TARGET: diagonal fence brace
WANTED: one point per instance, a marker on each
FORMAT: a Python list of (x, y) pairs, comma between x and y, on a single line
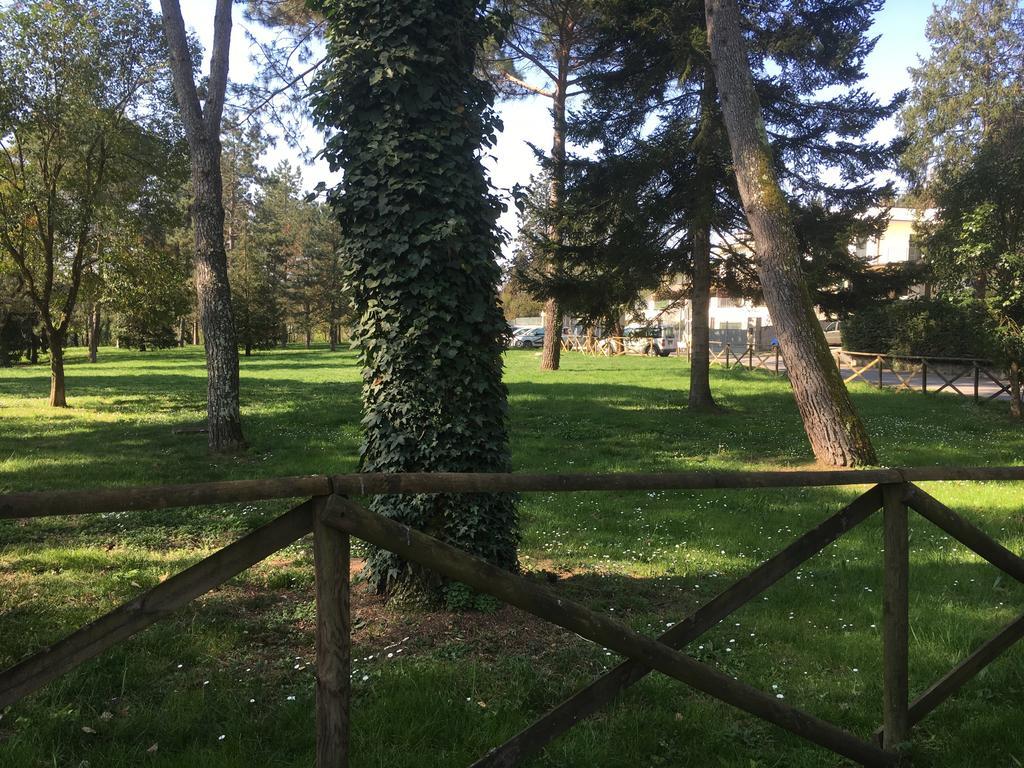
[(966, 533), (603, 691), (962, 673), (549, 605), (134, 616)]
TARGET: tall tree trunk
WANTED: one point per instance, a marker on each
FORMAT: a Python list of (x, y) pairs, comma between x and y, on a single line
[(58, 395), (94, 332), (33, 347), (1015, 394), (700, 338), (836, 432), (5, 355), (551, 355), (224, 423), (202, 130), (334, 337)]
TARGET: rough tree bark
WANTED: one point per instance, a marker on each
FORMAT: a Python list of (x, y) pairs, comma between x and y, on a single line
[(836, 432), (1015, 390), (94, 332), (202, 131), (552, 352), (700, 397), (58, 393)]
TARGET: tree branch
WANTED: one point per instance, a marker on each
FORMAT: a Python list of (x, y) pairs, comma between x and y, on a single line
[(525, 85), (218, 82), (181, 70)]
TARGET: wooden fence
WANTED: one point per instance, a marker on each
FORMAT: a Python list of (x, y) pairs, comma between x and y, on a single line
[(609, 346), (748, 357), (900, 372), (871, 368), (332, 517)]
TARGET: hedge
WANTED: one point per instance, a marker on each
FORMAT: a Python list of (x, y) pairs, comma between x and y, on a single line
[(939, 327)]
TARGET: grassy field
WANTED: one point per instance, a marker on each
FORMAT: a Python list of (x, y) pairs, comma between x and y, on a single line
[(229, 682)]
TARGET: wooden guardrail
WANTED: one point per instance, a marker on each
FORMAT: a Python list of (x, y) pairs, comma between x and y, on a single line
[(332, 517), (904, 372), (611, 346), (905, 368), (748, 357)]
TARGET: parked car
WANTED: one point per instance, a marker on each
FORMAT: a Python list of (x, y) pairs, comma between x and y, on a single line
[(833, 332), (643, 340), (529, 338)]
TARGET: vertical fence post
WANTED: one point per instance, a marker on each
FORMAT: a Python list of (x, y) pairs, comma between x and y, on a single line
[(750, 357), (728, 349), (881, 369), (924, 375), (977, 377), (776, 359), (333, 642), (895, 618)]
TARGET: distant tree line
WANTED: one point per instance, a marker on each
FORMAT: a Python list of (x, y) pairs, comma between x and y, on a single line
[(94, 191)]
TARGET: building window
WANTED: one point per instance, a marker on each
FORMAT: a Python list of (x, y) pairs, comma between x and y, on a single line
[(915, 253), (725, 300), (730, 326)]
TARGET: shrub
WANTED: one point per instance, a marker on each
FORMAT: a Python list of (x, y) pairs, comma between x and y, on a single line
[(871, 329), (943, 327)]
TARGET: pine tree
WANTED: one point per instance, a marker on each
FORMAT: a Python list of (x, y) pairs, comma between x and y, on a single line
[(971, 81), (836, 432), (656, 94), (550, 41)]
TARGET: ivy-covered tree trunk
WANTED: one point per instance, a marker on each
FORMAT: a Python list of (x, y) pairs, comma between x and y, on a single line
[(836, 432), (406, 116)]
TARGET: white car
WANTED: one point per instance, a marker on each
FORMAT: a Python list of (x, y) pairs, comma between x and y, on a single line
[(642, 340), (529, 338)]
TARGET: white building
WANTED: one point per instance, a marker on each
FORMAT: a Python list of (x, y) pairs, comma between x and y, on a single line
[(898, 244)]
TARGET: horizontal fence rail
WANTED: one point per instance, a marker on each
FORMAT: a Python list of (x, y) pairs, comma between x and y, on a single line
[(89, 501), (330, 514), (928, 374)]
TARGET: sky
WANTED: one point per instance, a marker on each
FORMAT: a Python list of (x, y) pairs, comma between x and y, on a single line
[(900, 26)]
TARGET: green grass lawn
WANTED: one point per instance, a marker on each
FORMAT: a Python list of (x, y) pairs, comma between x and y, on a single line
[(228, 681)]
